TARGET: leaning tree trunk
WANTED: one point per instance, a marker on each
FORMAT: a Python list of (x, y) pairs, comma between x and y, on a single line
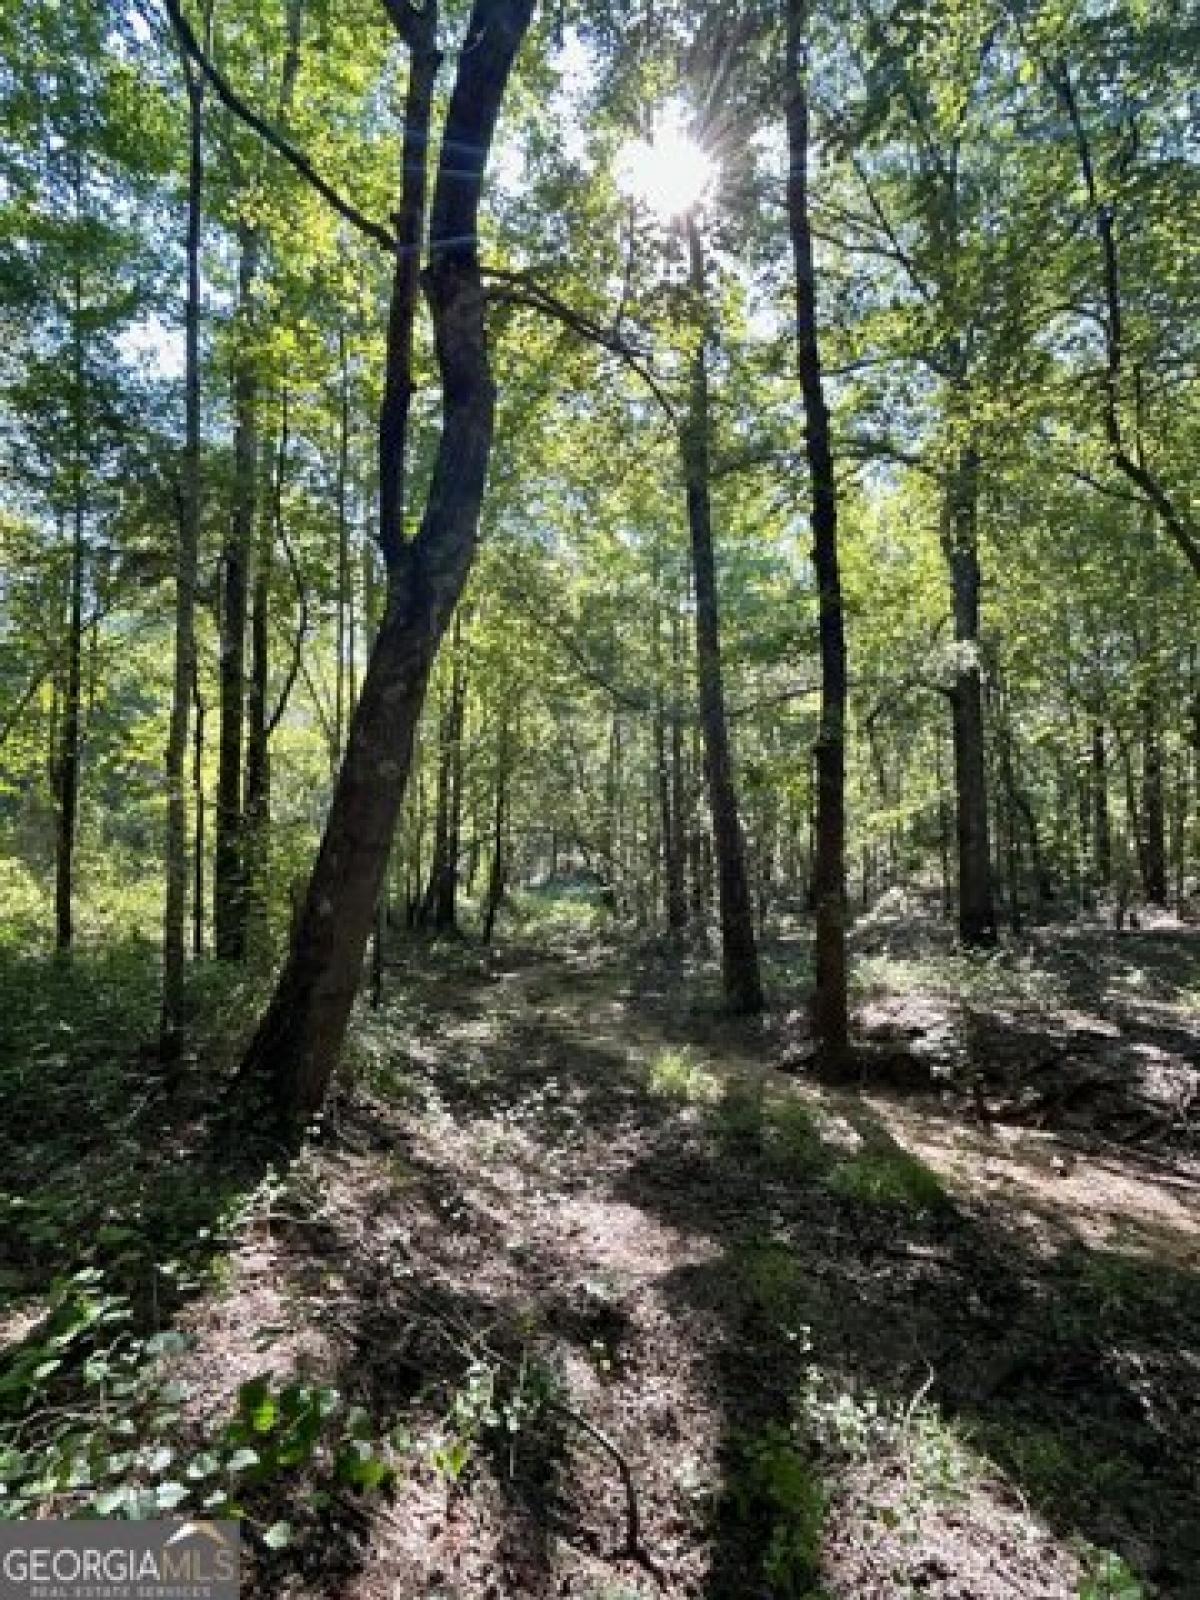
[(739, 950), (830, 1008), (171, 1024), (300, 1036)]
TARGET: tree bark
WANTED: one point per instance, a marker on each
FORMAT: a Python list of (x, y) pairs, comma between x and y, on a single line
[(1101, 821), (678, 797), (976, 911), (739, 950), (498, 875), (256, 819), (229, 898), (831, 1027), (1154, 817), (300, 1036), (173, 1014), (395, 410), (68, 760), (198, 814), (667, 776), (341, 709), (445, 902)]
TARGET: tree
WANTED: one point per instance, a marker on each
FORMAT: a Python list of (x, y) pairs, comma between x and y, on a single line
[(830, 1009), (300, 1035), (739, 950), (171, 1027)]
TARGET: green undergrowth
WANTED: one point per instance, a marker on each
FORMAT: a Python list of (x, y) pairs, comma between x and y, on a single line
[(91, 1424), (676, 1075), (1001, 977), (889, 1462), (576, 909), (891, 1179), (750, 1120), (788, 1474), (96, 1420)]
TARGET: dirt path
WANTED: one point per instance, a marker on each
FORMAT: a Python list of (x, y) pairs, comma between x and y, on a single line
[(842, 1345)]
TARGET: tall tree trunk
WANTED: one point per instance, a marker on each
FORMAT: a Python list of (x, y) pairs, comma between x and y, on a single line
[(677, 875), (1101, 820), (1083, 825), (830, 1007), (341, 713), (943, 811), (299, 1038), (1154, 816), (229, 899), (498, 875), (739, 950), (396, 408), (172, 1020), (198, 814), (441, 818), (1007, 822), (67, 765), (671, 822), (379, 930), (1134, 833), (1179, 812), (68, 760), (256, 818), (445, 904), (976, 911), (668, 774)]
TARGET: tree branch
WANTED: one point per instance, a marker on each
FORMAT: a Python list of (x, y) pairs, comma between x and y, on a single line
[(296, 159), (414, 24), (1178, 523), (517, 288)]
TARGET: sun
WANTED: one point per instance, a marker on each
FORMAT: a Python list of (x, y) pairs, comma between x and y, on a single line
[(669, 173)]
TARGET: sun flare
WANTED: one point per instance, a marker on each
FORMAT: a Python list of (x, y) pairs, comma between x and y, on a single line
[(668, 173)]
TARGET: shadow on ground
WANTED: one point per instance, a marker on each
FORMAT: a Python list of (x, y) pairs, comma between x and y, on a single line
[(558, 1185), (829, 1246)]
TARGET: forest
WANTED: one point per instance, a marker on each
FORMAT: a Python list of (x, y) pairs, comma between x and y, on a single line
[(600, 793)]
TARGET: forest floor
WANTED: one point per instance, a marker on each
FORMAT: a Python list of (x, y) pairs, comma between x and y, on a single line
[(613, 1298)]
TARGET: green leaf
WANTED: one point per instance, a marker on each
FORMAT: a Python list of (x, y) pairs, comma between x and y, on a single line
[(359, 1467), (278, 1536), (258, 1405)]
